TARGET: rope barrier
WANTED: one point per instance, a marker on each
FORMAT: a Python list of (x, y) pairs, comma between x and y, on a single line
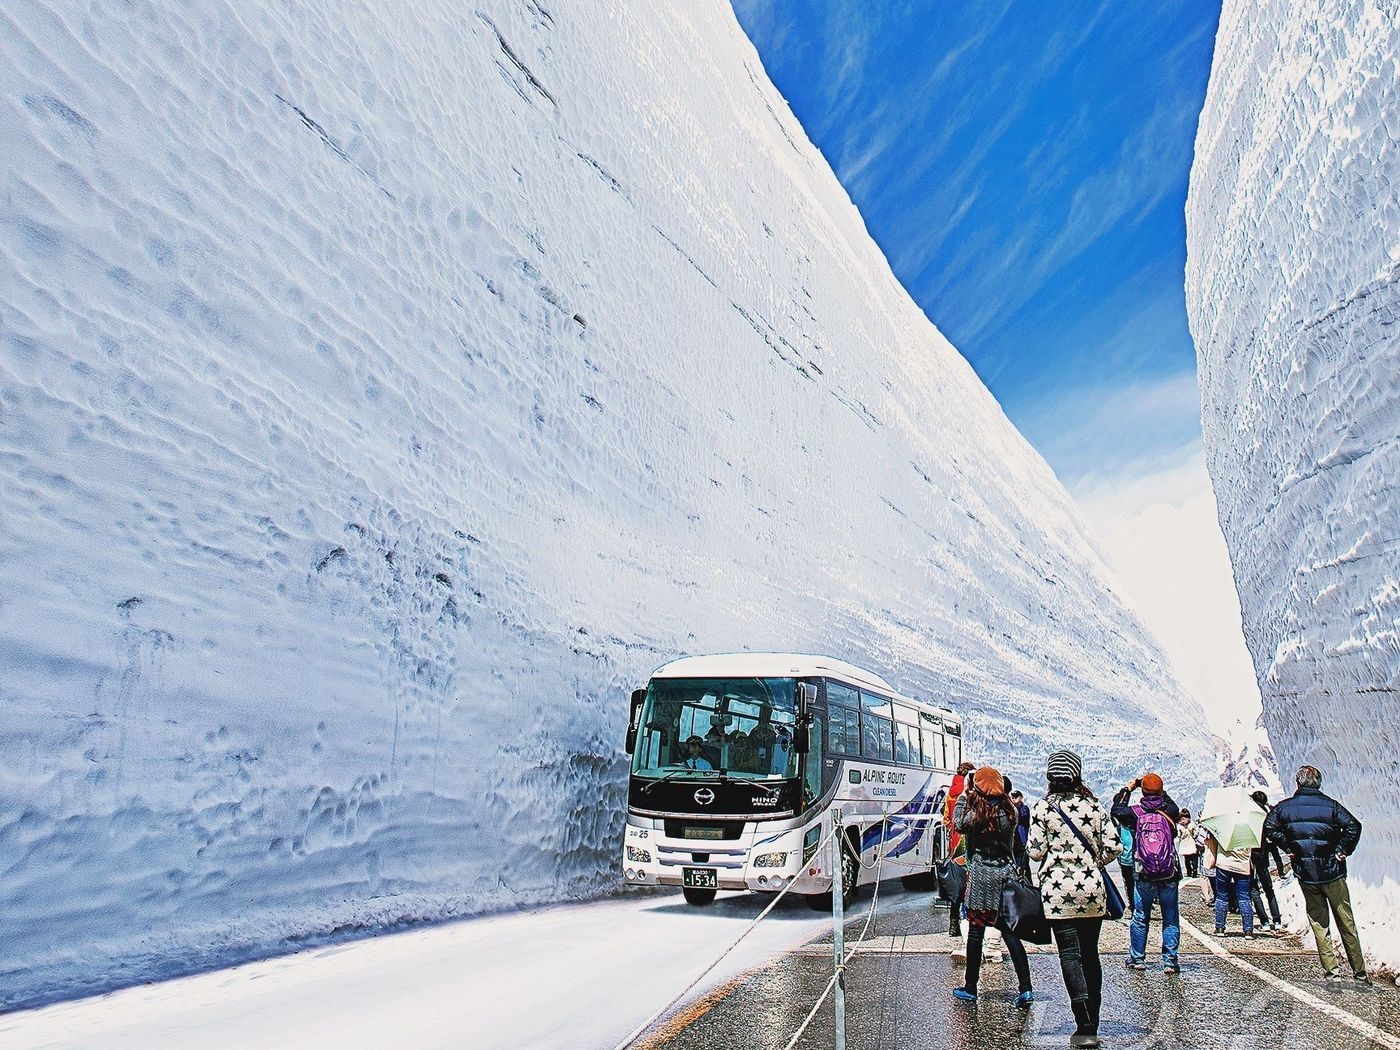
[(632, 1037), (851, 951), (877, 864)]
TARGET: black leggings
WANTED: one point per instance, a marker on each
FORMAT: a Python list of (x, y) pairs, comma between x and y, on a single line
[(1078, 942), (1014, 948), (1263, 888)]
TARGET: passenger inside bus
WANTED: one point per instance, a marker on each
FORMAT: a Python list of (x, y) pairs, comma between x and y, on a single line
[(770, 744), (741, 753)]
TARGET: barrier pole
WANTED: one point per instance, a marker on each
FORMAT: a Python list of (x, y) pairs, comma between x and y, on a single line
[(838, 920)]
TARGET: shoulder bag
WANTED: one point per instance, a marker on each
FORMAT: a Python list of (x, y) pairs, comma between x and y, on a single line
[(1023, 911)]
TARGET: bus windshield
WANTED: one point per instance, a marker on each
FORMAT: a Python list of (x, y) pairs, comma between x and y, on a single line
[(696, 727)]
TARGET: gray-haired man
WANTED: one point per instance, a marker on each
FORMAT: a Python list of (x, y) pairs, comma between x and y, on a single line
[(1319, 834)]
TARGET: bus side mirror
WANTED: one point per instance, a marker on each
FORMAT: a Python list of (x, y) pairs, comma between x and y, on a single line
[(634, 718), (802, 733)]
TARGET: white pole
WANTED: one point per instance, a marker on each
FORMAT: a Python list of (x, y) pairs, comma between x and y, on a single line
[(838, 920)]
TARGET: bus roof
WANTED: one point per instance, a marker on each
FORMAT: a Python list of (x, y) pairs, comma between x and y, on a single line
[(766, 665), (777, 665)]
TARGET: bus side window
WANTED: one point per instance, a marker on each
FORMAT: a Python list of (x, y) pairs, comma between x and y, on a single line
[(869, 735), (886, 728), (845, 725), (906, 745), (933, 749), (837, 721)]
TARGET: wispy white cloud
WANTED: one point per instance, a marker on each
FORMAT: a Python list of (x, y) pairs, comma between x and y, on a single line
[(1107, 429), (1162, 536)]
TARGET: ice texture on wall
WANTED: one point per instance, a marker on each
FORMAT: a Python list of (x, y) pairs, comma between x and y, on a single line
[(1293, 288), (385, 391)]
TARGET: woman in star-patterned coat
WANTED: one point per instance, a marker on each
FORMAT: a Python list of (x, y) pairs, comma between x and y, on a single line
[(1071, 885)]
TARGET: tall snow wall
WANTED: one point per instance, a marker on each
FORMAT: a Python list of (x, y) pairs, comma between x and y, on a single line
[(1293, 288), (386, 391)]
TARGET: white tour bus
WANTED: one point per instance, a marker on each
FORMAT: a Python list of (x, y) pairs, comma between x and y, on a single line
[(739, 760)]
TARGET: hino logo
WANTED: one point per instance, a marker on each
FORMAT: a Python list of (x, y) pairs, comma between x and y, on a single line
[(704, 796)]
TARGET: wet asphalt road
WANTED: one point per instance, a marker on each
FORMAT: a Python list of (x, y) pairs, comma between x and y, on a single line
[(898, 995)]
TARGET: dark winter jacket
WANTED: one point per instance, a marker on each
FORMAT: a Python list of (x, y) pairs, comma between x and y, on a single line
[(1317, 832), (1260, 856)]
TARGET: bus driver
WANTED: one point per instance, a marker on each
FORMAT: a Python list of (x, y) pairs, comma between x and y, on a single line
[(694, 757)]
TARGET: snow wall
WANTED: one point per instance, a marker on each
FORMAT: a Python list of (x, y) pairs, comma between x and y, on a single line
[(1293, 288), (383, 397)]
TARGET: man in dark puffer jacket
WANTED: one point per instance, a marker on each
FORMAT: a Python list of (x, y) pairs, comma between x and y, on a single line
[(1319, 834)]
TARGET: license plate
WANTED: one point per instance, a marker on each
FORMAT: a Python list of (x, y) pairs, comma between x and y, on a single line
[(700, 878)]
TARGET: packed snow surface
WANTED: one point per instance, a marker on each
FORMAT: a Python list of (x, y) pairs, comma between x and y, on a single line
[(570, 977), (385, 391), (1293, 287)]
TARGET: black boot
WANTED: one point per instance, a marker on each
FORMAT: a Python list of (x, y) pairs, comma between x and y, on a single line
[(1086, 1028), (976, 935)]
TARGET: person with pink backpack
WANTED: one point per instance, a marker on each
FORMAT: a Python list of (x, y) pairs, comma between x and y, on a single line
[(1156, 868)]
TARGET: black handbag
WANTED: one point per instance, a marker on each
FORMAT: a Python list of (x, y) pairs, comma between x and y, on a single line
[(1023, 911), (1113, 900), (952, 880)]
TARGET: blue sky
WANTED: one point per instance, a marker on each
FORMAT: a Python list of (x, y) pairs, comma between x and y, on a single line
[(1024, 168)]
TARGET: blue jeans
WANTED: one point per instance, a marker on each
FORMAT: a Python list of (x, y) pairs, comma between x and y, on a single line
[(1227, 883), (1145, 894)]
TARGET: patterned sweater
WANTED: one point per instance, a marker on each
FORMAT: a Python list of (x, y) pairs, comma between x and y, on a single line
[(1070, 883)]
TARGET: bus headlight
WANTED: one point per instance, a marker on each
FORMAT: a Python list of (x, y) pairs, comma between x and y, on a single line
[(638, 856), (770, 860)]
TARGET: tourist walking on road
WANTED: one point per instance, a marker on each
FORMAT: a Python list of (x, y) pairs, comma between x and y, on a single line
[(1072, 839), (1187, 846), (1234, 869), (1156, 868), (1263, 886), (1319, 834), (956, 857), (986, 818), (1023, 831)]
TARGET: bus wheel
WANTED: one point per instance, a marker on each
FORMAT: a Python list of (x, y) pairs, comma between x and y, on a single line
[(698, 897), (850, 871)]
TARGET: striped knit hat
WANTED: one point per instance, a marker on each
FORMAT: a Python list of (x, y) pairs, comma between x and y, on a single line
[(1064, 765)]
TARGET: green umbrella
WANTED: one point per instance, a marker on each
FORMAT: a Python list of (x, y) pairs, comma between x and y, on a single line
[(1233, 818)]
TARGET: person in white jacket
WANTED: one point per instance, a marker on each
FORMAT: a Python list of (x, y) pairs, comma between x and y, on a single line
[(1072, 838), (1186, 846)]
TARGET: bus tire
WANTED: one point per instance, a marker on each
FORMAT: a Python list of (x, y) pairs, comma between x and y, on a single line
[(698, 897), (850, 871), (927, 881)]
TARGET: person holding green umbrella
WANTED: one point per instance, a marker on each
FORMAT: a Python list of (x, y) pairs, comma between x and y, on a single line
[(1235, 825)]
